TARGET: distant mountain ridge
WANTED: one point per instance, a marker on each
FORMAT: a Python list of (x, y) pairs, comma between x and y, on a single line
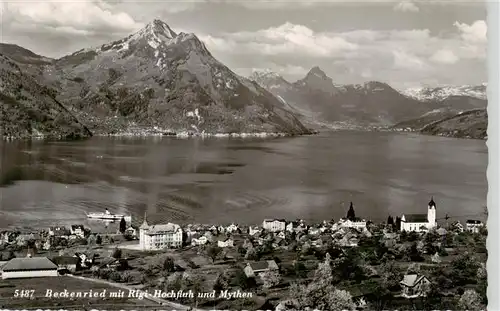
[(321, 102), (443, 92)]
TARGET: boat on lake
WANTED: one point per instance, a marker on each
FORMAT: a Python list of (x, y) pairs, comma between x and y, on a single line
[(108, 216)]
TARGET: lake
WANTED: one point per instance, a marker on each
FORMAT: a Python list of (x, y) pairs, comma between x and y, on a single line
[(242, 180)]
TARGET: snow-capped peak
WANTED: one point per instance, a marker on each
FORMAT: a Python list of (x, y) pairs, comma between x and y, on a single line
[(157, 31), (264, 74), (443, 92)]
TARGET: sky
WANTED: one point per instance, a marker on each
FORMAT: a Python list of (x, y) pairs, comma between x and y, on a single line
[(403, 43)]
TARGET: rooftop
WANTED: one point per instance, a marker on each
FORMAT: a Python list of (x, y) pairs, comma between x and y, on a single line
[(33, 263), (416, 218)]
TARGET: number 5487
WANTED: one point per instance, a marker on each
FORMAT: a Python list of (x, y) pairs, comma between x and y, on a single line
[(24, 293)]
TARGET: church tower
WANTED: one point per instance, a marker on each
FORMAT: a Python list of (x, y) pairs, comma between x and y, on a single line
[(431, 214), (142, 232)]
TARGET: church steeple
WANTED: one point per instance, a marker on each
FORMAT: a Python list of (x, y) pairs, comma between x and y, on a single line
[(432, 203), (145, 222), (350, 213)]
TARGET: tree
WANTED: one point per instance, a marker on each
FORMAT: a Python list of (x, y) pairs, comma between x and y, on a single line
[(470, 300), (414, 253), (397, 223), (168, 264), (351, 215), (221, 283), (390, 221), (251, 254), (98, 240), (213, 252), (91, 240), (413, 268), (340, 300), (117, 253), (271, 278), (123, 225), (464, 268)]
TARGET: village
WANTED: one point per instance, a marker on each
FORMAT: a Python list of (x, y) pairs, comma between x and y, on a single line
[(407, 262)]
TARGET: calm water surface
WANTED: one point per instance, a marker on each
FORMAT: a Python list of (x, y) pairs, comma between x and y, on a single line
[(242, 180)]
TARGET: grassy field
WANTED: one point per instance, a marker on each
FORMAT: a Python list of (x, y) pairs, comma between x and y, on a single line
[(59, 284)]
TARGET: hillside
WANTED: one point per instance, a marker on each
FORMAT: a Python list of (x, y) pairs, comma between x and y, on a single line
[(158, 79), (469, 124), (28, 109)]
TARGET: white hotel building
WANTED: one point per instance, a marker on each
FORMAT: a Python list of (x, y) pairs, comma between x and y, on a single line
[(157, 237), (274, 225)]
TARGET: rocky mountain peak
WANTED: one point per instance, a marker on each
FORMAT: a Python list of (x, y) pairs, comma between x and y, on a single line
[(158, 29), (316, 71)]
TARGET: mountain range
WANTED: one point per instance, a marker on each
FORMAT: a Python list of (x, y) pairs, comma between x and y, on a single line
[(319, 102), (161, 81)]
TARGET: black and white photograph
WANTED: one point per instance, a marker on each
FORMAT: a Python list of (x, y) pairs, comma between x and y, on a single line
[(243, 155)]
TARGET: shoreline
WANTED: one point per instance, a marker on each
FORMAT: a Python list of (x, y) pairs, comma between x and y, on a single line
[(183, 134)]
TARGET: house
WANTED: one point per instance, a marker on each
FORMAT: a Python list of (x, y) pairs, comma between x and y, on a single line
[(232, 228), (108, 262), (414, 285), (279, 243), (457, 227), (156, 237), (199, 241), (253, 269), (69, 263), (59, 231), (78, 231), (473, 225), (274, 225), (29, 267), (314, 231), (130, 231), (289, 226), (356, 223), (349, 240), (420, 222), (254, 230), (23, 238), (226, 242), (281, 235)]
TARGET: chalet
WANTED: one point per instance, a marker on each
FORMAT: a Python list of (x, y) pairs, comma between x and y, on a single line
[(274, 225), (68, 263), (258, 268), (199, 241), (78, 231), (457, 227), (414, 286), (225, 242), (420, 222), (473, 225), (29, 268), (281, 235), (59, 232)]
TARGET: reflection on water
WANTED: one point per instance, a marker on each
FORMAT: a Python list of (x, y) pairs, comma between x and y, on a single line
[(243, 180)]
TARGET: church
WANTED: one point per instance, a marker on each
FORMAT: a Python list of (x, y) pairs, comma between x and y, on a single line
[(420, 222)]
